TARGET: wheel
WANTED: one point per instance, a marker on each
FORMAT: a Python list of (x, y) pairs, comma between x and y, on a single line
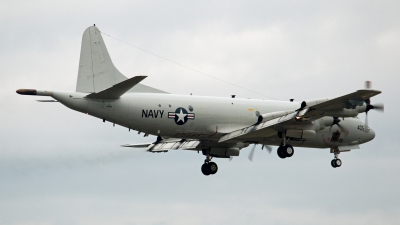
[(333, 163), (205, 169), (288, 150), (280, 153), (338, 162), (213, 168)]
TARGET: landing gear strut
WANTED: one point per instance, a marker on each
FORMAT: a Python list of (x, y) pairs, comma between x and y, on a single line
[(209, 168), (336, 162)]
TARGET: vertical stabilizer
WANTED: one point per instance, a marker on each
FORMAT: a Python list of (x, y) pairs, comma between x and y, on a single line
[(96, 70)]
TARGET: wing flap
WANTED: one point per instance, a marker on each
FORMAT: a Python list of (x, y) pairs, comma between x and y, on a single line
[(254, 129), (182, 144), (167, 144)]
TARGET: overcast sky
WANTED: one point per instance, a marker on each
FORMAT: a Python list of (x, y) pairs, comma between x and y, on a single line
[(58, 166)]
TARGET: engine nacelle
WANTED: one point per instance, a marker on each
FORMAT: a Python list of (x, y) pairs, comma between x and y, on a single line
[(273, 115), (347, 112), (316, 101), (324, 122), (350, 108), (296, 133)]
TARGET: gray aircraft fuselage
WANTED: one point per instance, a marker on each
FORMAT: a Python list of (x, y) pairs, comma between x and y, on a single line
[(205, 118)]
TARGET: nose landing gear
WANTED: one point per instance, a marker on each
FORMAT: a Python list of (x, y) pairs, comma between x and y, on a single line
[(336, 162), (209, 168)]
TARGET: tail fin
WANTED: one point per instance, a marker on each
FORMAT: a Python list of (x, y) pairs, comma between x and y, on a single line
[(96, 70)]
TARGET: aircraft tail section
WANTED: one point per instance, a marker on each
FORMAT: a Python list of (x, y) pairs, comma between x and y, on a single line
[(96, 70)]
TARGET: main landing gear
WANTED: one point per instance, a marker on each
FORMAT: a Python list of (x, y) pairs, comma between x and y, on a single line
[(285, 151), (336, 162), (209, 168)]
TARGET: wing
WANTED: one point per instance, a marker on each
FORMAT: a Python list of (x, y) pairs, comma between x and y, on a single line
[(309, 111)]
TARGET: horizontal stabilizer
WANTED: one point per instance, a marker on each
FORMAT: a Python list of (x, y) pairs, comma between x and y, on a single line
[(47, 100), (117, 90)]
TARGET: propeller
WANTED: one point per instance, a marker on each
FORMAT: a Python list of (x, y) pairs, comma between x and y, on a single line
[(378, 106), (251, 154)]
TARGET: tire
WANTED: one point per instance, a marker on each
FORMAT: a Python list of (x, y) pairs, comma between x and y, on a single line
[(212, 167), (288, 150), (333, 163), (280, 153), (205, 169), (338, 162)]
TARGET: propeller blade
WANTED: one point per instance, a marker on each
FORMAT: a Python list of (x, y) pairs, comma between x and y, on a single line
[(251, 154), (367, 84), (379, 107), (269, 148)]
